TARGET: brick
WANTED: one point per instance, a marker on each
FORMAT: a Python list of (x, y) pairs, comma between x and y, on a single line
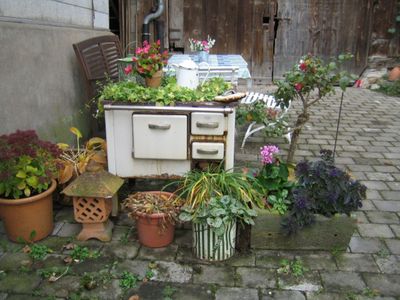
[(367, 205), (373, 195), (364, 168), (386, 169), (322, 261), (365, 245), (390, 195), (375, 230)]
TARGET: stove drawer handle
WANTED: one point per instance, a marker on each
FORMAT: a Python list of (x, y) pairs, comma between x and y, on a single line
[(159, 127), (209, 152), (210, 125)]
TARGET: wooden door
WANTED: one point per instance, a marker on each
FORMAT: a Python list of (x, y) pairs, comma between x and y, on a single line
[(323, 28)]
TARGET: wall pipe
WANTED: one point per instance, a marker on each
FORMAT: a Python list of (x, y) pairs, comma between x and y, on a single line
[(150, 17)]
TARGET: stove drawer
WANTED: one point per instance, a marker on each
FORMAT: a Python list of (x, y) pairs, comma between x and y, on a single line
[(160, 136), (208, 150), (208, 123)]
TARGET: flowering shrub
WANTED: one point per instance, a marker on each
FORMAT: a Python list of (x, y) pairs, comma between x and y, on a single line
[(148, 60), (197, 45), (27, 164), (310, 80), (322, 189)]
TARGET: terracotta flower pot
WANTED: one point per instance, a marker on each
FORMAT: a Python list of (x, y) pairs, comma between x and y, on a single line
[(154, 81), (394, 74), (23, 216)]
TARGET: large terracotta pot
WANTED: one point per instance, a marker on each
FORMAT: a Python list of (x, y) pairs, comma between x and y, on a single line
[(394, 74), (154, 81), (23, 216), (154, 230)]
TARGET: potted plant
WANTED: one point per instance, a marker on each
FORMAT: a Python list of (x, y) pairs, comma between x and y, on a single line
[(323, 195), (27, 172), (224, 195), (149, 63), (201, 47), (155, 213)]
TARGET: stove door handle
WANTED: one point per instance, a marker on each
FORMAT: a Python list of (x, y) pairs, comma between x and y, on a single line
[(209, 152), (160, 127), (207, 125)]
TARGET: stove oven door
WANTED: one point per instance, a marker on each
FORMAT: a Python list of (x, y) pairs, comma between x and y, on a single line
[(160, 136)]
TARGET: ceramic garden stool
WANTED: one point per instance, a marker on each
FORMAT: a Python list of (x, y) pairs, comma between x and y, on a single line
[(93, 193)]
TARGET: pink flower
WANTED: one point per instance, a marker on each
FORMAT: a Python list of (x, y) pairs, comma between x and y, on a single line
[(303, 67), (357, 84), (158, 42), (298, 86), (128, 69), (139, 50), (267, 154)]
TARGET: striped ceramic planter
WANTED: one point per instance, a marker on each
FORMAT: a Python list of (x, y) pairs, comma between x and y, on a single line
[(206, 244)]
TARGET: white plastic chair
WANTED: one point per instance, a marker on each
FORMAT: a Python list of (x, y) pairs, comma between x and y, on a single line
[(270, 102)]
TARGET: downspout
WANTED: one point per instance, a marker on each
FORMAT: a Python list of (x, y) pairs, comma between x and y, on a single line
[(150, 17)]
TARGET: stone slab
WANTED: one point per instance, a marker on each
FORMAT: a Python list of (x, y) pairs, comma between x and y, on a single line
[(387, 285), (342, 281), (389, 264), (309, 282), (234, 293), (153, 291), (325, 234), (121, 251), (61, 288), (393, 245), (255, 277), (166, 253), (282, 295), (356, 262), (366, 245), (172, 272), (18, 283), (215, 275), (375, 230)]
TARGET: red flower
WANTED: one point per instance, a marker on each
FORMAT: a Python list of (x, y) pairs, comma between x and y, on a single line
[(357, 84), (158, 42), (298, 86), (128, 69), (303, 67)]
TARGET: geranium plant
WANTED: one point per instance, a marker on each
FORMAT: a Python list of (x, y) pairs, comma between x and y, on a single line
[(27, 164), (309, 81), (148, 59), (198, 45)]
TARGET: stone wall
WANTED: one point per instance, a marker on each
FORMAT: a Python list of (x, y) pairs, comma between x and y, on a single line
[(42, 86)]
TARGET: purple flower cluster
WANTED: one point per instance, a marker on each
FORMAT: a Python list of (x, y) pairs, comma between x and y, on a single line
[(267, 154)]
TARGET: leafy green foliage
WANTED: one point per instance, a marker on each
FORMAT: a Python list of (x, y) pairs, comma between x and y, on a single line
[(198, 187), (391, 88), (128, 280), (168, 94), (168, 292), (294, 267), (27, 164), (94, 279), (39, 252), (80, 253), (219, 213), (275, 124), (322, 189)]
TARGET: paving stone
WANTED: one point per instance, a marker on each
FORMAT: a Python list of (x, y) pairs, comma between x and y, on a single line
[(154, 291), (111, 290), (322, 261), (57, 227), (382, 217), (320, 295), (387, 285), (390, 195), (307, 283), (356, 262), (367, 205), (242, 260), (51, 260), (395, 229), (124, 234), (271, 259), (389, 264), (172, 272), (387, 205), (281, 295), (373, 195), (70, 230), (211, 274), (3, 296), (55, 243), (166, 253), (360, 216), (61, 288), (255, 277), (19, 283), (375, 230), (137, 267), (123, 251), (92, 265), (342, 281), (365, 245), (226, 293), (65, 215), (25, 297), (395, 186), (379, 176), (375, 185), (386, 169), (123, 220), (13, 261), (393, 245)]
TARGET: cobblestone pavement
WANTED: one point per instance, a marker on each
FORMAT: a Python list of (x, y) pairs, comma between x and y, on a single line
[(368, 146)]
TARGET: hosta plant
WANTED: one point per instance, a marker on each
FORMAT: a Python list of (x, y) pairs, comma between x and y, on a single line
[(27, 164), (324, 189)]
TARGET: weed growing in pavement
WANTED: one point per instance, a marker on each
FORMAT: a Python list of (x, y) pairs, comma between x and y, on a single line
[(383, 253), (128, 280), (80, 253), (168, 292), (367, 292), (292, 267), (37, 252)]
